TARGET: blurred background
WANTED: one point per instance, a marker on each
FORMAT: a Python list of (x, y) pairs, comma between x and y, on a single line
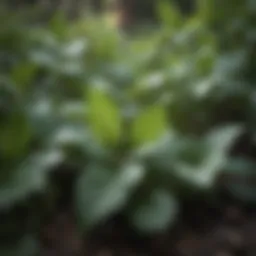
[(127, 127)]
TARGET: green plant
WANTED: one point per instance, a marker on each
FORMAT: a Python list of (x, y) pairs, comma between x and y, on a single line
[(141, 121)]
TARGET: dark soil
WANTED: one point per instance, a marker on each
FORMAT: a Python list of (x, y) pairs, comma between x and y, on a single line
[(228, 229)]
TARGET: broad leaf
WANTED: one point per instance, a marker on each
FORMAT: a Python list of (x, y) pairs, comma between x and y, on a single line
[(101, 192), (104, 116), (157, 213), (149, 126), (169, 14), (29, 177), (219, 143)]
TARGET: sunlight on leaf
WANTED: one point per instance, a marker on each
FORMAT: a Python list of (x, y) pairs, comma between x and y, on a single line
[(104, 116), (149, 126)]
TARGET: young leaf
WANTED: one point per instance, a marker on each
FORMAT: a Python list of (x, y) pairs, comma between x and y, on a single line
[(101, 192), (156, 214), (149, 126), (104, 117)]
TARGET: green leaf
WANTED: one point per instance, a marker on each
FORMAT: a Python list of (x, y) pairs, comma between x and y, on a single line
[(75, 49), (251, 5), (59, 24), (101, 192), (104, 117), (157, 213), (43, 116), (78, 142), (15, 135), (30, 176), (162, 153), (150, 125), (23, 74), (218, 142), (169, 14), (74, 111)]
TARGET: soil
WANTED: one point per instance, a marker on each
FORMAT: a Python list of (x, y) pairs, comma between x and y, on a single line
[(228, 229)]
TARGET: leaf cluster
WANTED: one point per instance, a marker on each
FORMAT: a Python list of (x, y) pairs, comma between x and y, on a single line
[(141, 120)]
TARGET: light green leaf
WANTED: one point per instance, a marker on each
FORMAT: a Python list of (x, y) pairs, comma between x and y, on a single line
[(101, 192), (150, 125), (169, 14), (157, 213), (104, 116)]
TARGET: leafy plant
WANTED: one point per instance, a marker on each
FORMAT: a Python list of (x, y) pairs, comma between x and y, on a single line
[(141, 120)]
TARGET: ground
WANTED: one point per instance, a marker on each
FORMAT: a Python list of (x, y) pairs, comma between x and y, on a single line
[(225, 230)]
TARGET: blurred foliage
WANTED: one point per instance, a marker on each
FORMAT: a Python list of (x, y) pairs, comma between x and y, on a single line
[(142, 120)]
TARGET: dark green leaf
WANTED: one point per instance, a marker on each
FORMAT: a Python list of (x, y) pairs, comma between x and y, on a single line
[(25, 247), (29, 177), (157, 213), (241, 181)]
